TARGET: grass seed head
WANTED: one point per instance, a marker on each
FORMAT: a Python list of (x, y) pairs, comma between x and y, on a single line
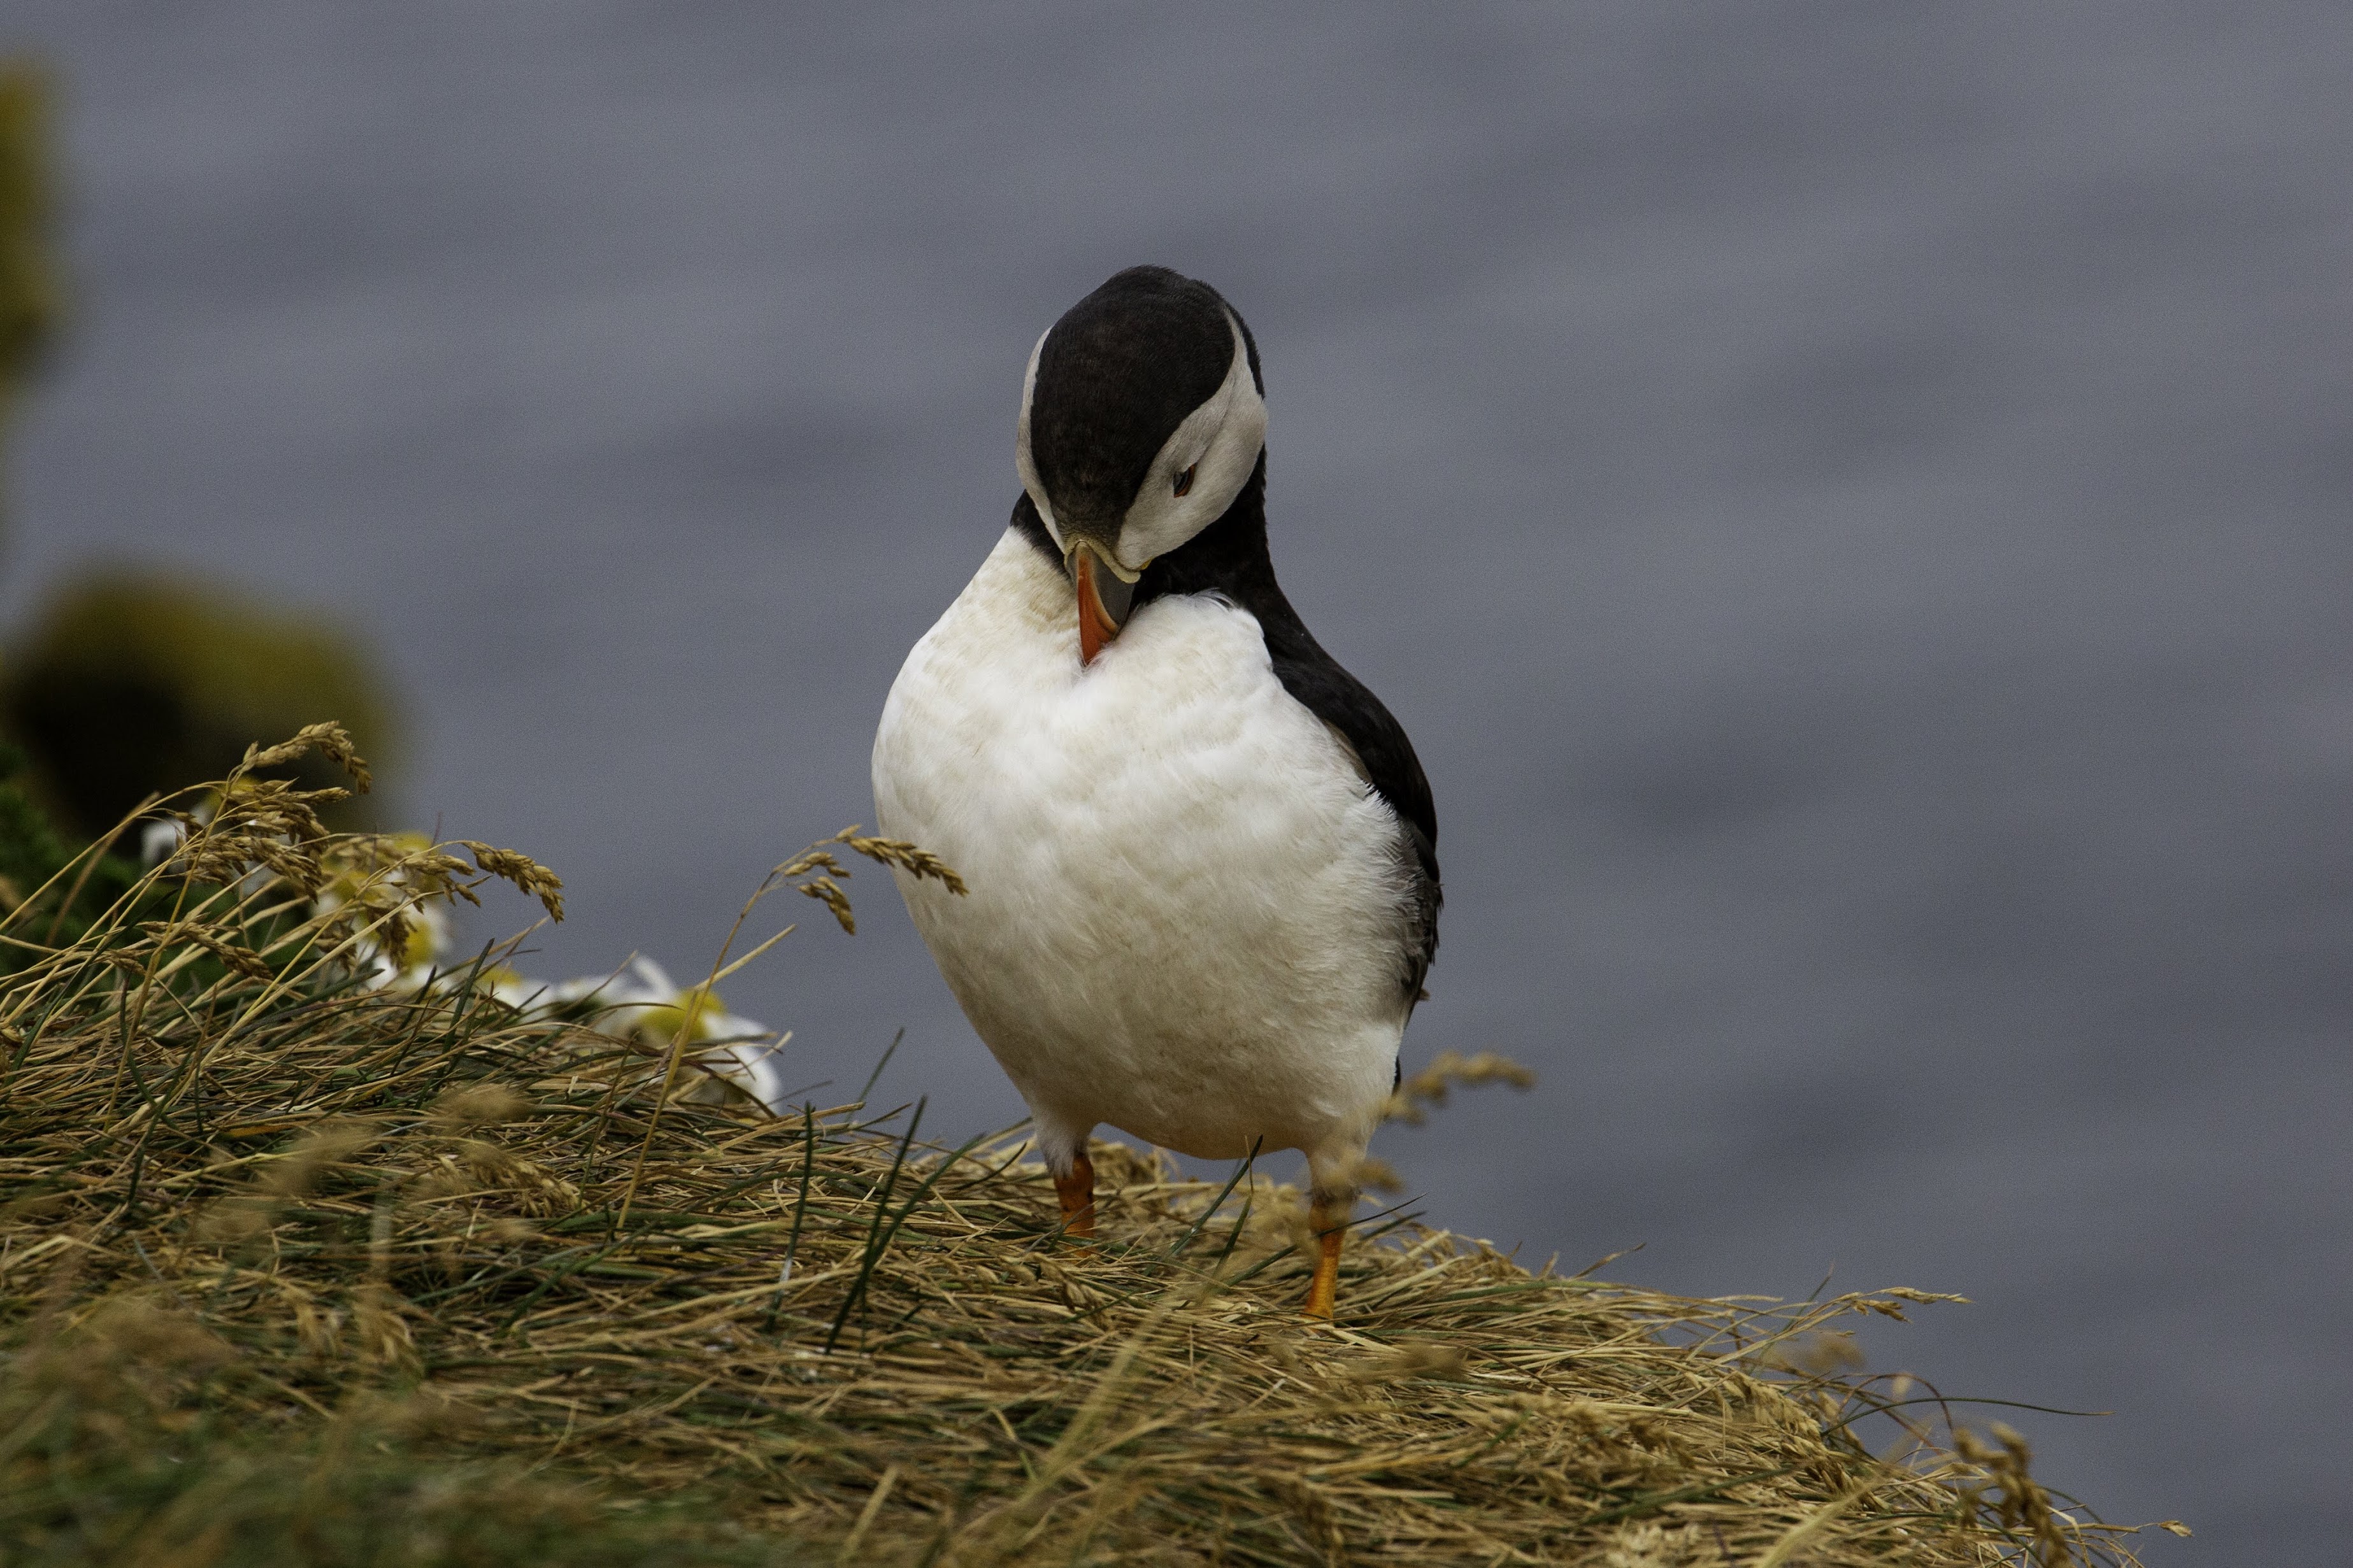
[(483, 1103), (1824, 1352), (382, 1331), (1448, 1071), (296, 1173), (527, 874), (1415, 1360), (328, 740)]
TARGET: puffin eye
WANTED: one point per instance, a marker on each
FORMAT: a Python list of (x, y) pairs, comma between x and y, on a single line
[(1185, 480)]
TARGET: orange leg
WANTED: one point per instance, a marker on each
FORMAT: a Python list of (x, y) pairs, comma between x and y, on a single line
[(1330, 1222), (1077, 1192)]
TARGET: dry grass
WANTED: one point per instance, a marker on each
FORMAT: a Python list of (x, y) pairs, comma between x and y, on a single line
[(296, 1271)]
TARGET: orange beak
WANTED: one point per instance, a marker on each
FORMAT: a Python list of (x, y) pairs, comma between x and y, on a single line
[(1097, 624)]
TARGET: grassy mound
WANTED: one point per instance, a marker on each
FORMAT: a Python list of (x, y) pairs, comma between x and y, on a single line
[(295, 1269)]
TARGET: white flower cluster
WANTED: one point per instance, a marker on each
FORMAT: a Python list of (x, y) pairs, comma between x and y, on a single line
[(638, 1003), (641, 1002)]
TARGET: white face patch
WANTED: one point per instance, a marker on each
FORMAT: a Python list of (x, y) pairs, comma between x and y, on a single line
[(1219, 442), (1021, 460)]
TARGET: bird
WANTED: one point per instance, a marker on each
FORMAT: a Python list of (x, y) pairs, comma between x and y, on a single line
[(1201, 857)]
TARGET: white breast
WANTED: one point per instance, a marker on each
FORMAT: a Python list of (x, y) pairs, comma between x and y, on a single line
[(1188, 910)]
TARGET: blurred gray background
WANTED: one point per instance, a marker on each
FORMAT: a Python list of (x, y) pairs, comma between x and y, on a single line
[(1850, 502)]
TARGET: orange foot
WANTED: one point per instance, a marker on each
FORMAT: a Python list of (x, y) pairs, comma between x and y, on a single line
[(1077, 1192), (1330, 1222)]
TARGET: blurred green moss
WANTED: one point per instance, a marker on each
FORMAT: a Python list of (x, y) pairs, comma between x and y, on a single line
[(39, 865), (132, 683)]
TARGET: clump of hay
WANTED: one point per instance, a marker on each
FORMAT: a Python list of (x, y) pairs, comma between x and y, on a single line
[(298, 1269)]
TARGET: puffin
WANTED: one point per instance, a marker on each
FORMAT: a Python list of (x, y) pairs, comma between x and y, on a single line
[(1200, 858)]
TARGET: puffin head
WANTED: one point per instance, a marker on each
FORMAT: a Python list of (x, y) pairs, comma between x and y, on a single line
[(1142, 415)]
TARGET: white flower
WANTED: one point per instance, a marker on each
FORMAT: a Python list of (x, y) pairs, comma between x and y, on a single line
[(642, 1003), (425, 915), (160, 840)]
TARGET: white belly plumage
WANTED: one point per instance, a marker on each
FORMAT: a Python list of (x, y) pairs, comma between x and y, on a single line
[(1188, 909)]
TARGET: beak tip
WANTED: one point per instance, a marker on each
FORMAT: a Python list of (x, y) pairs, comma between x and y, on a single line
[(1096, 626)]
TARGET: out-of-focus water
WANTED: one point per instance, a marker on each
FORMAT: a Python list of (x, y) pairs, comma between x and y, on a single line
[(1850, 502)]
